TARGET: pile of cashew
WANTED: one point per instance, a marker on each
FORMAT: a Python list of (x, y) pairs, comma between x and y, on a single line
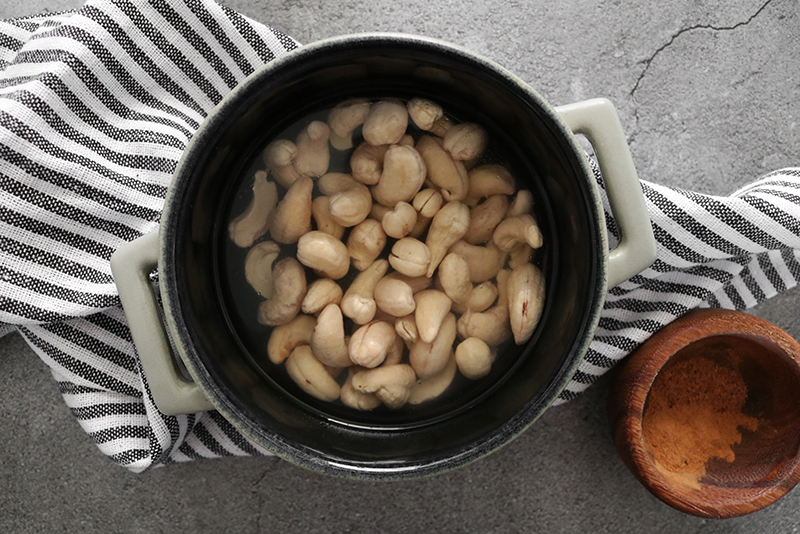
[(441, 245)]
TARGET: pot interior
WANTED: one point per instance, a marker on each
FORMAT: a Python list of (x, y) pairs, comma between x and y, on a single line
[(215, 310)]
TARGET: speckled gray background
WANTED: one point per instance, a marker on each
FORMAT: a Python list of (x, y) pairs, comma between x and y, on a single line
[(708, 95)]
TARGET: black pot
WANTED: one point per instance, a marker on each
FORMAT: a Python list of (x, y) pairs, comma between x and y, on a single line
[(191, 252)]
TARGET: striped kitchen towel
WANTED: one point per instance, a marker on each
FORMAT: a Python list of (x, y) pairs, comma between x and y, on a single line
[(96, 107)]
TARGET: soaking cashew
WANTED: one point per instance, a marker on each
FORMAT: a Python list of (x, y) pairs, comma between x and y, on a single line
[(429, 388), (258, 267), (321, 212), (428, 202), (400, 220), (491, 326), (370, 344), (287, 298), (488, 180), (390, 383), (484, 261), (279, 158), (255, 220), (323, 253), (286, 337), (410, 257), (358, 302), (293, 214), (356, 399), (344, 118), (366, 163), (424, 113), (406, 328), (432, 306), (454, 278), (429, 358), (386, 123), (522, 204), (327, 339), (350, 200), (482, 296), (365, 243), (310, 374), (402, 176), (474, 358), (515, 230), (448, 226), (525, 301), (484, 218), (465, 141), (447, 173), (313, 154), (320, 293), (394, 296)]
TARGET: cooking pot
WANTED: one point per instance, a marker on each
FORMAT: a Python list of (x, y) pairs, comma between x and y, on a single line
[(218, 365)]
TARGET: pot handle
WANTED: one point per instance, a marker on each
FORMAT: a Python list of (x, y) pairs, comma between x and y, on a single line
[(131, 266), (597, 119)]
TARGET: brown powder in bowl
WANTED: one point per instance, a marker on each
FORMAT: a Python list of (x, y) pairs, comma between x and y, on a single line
[(694, 413)]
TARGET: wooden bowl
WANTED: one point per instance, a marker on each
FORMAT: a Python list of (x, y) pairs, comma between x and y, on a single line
[(706, 414)]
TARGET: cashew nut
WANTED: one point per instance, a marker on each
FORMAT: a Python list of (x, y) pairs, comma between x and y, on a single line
[(366, 163), (386, 123), (287, 298), (350, 200), (258, 267), (525, 301), (399, 221), (402, 176), (515, 230), (447, 173), (323, 253), (310, 374), (394, 296), (448, 226), (424, 113), (279, 158), (358, 302), (395, 353), (432, 306), (410, 257), (455, 278), (428, 202), (431, 387), (286, 337), (484, 218), (491, 326), (465, 141), (344, 118), (522, 204), (406, 328), (441, 126), (482, 296), (488, 180), (365, 243), (255, 220), (474, 358), (370, 344), (391, 383), (356, 399), (484, 261), (293, 214), (313, 154), (321, 212), (320, 293), (327, 340), (429, 358), (521, 254)]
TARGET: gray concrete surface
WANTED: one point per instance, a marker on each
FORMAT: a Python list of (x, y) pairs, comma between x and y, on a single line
[(707, 90)]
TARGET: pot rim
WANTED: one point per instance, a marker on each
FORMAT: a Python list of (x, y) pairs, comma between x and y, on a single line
[(296, 453)]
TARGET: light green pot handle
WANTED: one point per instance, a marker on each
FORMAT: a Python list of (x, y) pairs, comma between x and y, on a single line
[(131, 266), (598, 121)]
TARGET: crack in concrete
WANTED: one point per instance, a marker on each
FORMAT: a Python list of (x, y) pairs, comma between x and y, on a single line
[(647, 62)]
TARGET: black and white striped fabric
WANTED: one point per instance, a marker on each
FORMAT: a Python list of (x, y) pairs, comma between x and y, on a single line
[(96, 107)]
